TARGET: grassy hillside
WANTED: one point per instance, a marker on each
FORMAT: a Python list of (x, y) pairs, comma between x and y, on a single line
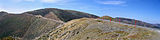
[(94, 29), (58, 24), (25, 26), (63, 15)]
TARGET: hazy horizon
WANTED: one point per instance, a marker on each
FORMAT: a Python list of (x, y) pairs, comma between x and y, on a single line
[(144, 10)]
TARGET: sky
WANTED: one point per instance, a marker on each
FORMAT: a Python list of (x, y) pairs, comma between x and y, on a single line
[(144, 10)]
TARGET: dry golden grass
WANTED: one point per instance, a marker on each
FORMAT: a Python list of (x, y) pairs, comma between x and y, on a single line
[(92, 29)]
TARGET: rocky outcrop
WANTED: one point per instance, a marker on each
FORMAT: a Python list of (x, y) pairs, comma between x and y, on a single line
[(61, 15), (30, 25), (95, 29)]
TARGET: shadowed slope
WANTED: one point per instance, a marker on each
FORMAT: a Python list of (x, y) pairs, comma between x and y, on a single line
[(63, 15), (2, 13), (25, 26)]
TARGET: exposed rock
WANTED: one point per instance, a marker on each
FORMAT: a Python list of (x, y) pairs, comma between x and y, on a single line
[(95, 29), (55, 24)]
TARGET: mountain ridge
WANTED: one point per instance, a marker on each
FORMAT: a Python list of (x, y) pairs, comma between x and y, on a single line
[(59, 24), (130, 21), (25, 26), (89, 29), (63, 15)]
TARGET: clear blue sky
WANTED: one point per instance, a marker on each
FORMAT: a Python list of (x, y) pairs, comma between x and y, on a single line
[(145, 10)]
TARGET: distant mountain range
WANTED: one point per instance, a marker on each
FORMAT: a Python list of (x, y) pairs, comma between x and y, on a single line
[(132, 21), (158, 25), (59, 24)]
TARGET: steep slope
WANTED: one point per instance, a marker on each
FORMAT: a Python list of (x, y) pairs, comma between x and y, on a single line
[(61, 15), (55, 24), (97, 29), (25, 26)]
